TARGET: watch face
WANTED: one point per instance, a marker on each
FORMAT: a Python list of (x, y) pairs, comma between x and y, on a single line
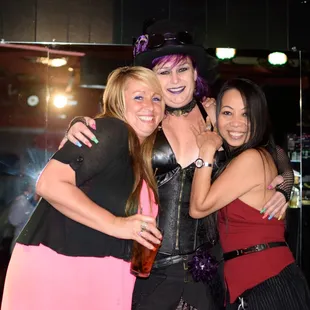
[(199, 163)]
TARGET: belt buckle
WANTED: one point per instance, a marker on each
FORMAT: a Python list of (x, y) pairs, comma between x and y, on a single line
[(187, 276), (253, 249), (257, 248), (185, 264)]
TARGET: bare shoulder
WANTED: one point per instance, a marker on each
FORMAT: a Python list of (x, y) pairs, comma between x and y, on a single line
[(254, 160), (249, 157)]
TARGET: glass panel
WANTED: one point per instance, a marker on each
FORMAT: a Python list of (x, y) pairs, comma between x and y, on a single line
[(76, 87), (23, 147), (305, 168)]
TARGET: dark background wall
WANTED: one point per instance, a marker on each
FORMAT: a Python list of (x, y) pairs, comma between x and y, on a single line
[(255, 24), (29, 134), (57, 20)]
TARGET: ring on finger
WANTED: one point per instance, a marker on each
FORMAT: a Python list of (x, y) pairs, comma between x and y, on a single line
[(208, 128), (143, 226)]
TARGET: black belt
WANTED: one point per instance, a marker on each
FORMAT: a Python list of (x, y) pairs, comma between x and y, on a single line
[(170, 260), (253, 249)]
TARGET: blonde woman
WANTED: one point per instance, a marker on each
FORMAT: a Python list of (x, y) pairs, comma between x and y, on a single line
[(74, 251)]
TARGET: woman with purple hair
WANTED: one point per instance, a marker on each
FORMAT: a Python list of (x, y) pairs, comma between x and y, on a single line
[(183, 265)]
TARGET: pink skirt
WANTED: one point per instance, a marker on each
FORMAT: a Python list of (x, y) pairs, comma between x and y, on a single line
[(38, 278)]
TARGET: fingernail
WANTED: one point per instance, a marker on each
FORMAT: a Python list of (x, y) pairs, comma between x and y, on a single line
[(78, 144), (88, 144), (95, 139), (93, 126), (270, 217), (269, 187), (279, 218), (262, 211)]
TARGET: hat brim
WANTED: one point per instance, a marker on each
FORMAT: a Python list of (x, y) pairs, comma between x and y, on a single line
[(206, 64)]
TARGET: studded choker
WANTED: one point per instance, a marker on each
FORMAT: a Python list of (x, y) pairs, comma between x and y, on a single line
[(182, 110)]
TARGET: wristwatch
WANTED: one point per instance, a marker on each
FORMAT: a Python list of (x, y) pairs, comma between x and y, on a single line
[(199, 163)]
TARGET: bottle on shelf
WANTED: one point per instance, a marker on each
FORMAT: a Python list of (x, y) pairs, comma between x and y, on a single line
[(295, 194)]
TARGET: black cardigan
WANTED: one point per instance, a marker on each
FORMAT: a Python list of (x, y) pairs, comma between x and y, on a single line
[(104, 173)]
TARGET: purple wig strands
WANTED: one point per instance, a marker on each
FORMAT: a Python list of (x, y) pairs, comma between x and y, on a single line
[(201, 89)]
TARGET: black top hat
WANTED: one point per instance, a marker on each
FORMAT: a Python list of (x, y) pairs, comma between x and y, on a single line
[(164, 38)]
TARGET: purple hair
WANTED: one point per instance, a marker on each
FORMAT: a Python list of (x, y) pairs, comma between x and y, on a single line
[(201, 89)]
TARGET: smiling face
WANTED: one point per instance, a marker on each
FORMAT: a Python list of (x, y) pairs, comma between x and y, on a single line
[(177, 81), (144, 108), (232, 122)]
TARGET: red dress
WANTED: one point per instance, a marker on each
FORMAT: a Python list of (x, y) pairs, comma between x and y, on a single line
[(241, 226)]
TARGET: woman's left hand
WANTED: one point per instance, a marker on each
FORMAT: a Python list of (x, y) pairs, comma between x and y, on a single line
[(209, 105), (276, 205), (205, 137)]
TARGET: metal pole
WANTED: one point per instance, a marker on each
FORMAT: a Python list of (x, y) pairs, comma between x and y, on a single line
[(299, 258)]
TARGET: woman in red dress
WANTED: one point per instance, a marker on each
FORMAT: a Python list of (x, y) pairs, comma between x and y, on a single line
[(259, 269)]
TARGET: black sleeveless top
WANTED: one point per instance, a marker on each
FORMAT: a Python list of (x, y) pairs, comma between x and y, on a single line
[(182, 234)]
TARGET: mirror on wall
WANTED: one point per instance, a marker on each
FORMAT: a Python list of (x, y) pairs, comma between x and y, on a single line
[(23, 147), (23, 87), (43, 86)]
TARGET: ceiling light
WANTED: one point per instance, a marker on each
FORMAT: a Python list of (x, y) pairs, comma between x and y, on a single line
[(57, 62), (52, 62), (33, 100), (277, 58), (60, 101), (225, 53)]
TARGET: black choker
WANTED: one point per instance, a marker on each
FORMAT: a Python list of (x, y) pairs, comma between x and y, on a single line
[(183, 110)]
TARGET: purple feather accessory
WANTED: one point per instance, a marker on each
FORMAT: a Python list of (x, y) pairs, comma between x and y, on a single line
[(203, 266), (140, 45)]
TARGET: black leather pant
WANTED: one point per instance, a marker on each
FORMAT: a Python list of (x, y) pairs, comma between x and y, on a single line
[(167, 286)]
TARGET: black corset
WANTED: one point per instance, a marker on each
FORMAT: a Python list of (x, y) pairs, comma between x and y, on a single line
[(182, 234)]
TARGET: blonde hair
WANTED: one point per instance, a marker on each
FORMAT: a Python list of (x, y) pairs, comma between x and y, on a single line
[(114, 105)]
